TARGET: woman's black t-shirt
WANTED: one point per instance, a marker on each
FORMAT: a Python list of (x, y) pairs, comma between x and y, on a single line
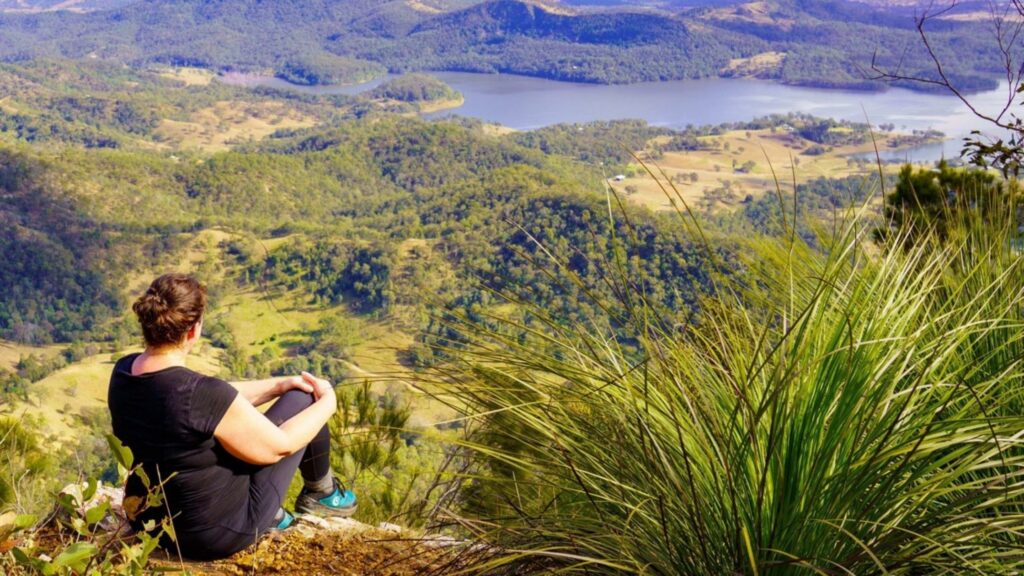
[(167, 418)]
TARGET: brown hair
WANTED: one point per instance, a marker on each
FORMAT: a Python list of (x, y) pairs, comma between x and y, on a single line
[(172, 304)]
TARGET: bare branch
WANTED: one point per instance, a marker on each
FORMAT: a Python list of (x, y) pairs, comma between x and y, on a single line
[(1005, 39)]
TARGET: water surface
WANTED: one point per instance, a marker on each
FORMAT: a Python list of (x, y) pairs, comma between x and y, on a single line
[(526, 103)]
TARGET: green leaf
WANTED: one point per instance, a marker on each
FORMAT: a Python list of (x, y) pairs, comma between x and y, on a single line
[(122, 453), (23, 521), (143, 477), (76, 556), (22, 558), (79, 525), (148, 547), (90, 490), (168, 527), (97, 513), (68, 502)]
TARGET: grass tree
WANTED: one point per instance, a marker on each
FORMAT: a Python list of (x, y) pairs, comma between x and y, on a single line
[(835, 407)]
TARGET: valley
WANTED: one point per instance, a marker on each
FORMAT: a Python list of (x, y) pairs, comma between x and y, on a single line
[(469, 217), (198, 131)]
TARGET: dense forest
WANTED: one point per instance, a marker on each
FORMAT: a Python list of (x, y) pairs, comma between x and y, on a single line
[(306, 42), (415, 88)]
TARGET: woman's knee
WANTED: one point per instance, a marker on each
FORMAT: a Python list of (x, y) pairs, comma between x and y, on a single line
[(289, 404), (304, 399)]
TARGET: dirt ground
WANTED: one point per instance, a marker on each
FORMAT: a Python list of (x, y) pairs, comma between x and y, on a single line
[(372, 552), (354, 550)]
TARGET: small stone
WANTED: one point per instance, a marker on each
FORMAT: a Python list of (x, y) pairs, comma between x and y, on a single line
[(314, 520), (389, 527), (347, 525)]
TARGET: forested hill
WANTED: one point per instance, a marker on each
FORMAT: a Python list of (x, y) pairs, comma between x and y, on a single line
[(513, 18), (823, 43), (355, 191)]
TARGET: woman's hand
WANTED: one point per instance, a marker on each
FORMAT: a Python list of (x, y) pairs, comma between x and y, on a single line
[(293, 383), (251, 437), (319, 386), (259, 392)]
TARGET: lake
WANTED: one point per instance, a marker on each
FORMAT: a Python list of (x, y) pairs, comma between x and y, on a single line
[(526, 103)]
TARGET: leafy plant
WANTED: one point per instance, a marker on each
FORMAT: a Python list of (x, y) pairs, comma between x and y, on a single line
[(88, 545), (26, 461), (370, 449), (833, 409), (924, 201)]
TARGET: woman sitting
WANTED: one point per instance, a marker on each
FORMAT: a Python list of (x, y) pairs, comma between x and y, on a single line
[(224, 466)]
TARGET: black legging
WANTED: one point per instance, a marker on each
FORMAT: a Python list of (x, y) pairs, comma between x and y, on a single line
[(267, 488)]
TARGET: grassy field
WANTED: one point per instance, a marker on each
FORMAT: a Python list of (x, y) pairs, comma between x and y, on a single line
[(719, 168), (282, 321), (5, 106), (755, 64), (227, 123), (58, 400), (751, 12), (188, 76), (11, 353), (259, 320), (497, 130), (438, 105)]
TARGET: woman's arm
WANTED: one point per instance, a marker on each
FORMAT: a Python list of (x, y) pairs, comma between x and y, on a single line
[(259, 392), (249, 436)]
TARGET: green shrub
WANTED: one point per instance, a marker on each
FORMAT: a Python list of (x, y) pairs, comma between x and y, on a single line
[(86, 544), (834, 408)]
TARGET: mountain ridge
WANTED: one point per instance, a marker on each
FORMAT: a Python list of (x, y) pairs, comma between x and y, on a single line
[(512, 17), (324, 41)]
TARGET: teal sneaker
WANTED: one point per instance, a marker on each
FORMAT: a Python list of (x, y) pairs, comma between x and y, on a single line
[(286, 521), (339, 503)]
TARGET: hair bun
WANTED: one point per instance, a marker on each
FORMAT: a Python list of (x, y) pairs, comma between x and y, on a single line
[(171, 305), (150, 305), (156, 300)]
